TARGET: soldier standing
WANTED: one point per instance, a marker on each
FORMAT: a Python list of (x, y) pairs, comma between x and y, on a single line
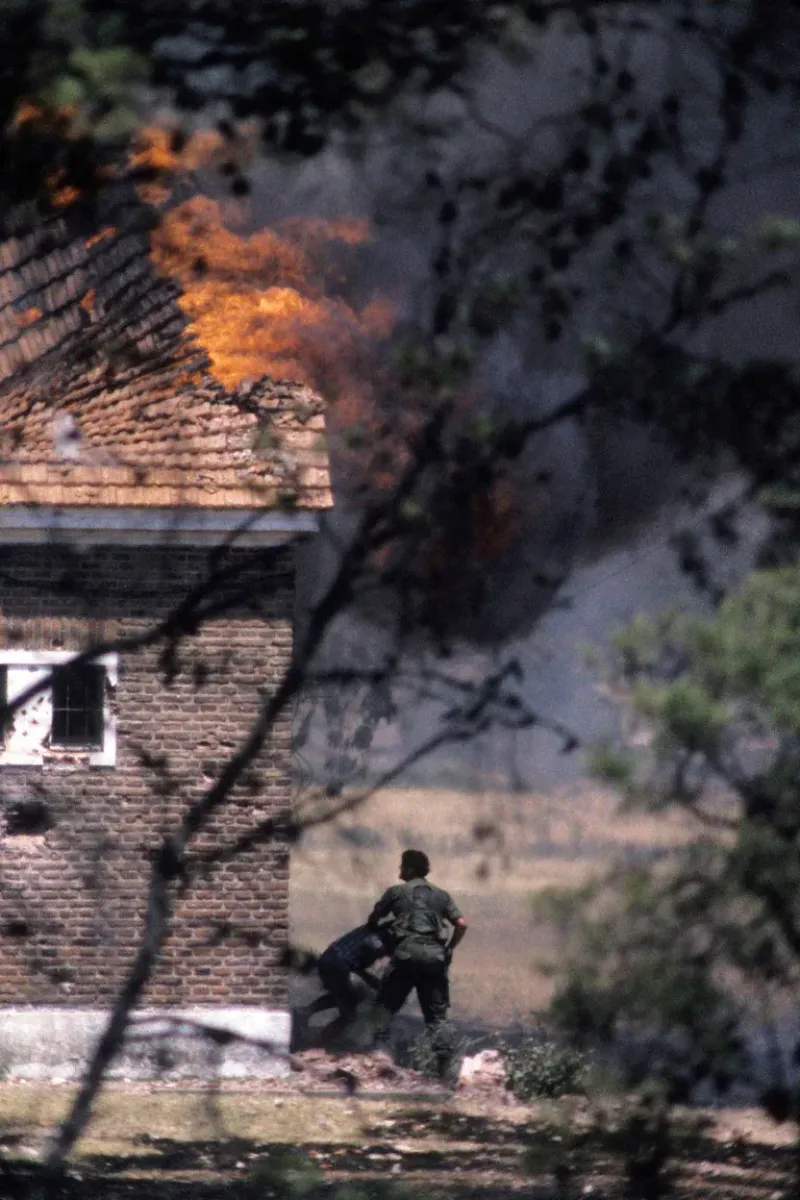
[(426, 926)]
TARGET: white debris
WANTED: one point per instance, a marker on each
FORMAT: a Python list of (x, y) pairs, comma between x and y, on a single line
[(485, 1067)]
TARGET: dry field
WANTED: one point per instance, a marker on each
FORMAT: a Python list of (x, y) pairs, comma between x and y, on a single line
[(538, 841)]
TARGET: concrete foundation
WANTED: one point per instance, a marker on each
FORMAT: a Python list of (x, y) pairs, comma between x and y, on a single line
[(192, 1043)]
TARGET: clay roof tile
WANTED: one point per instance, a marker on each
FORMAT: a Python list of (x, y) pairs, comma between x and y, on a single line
[(146, 424)]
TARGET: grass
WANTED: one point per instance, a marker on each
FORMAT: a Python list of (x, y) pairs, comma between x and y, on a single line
[(151, 1143), (123, 1113), (493, 852)]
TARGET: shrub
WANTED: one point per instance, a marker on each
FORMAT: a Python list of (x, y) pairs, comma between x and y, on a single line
[(423, 1054), (541, 1068)]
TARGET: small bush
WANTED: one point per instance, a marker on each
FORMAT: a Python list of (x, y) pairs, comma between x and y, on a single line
[(537, 1068), (424, 1054)]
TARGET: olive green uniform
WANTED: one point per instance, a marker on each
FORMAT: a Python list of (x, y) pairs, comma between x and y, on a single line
[(420, 919)]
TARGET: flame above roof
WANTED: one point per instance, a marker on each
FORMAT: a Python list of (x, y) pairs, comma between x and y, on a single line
[(105, 400)]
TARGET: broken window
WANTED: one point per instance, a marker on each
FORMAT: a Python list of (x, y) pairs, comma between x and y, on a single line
[(60, 709), (77, 694)]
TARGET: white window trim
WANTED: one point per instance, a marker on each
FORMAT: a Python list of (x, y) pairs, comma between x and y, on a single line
[(104, 757)]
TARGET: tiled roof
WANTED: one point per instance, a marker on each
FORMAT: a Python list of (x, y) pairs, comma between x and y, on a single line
[(104, 400)]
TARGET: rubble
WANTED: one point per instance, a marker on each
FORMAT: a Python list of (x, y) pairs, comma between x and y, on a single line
[(485, 1069), (481, 1074), (375, 1071)]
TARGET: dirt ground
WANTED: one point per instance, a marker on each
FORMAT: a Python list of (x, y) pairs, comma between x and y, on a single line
[(160, 1142)]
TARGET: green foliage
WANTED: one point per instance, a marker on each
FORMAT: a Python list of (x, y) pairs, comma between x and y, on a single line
[(439, 371), (667, 951), (436, 1053), (87, 69), (423, 1055), (744, 659), (751, 651), (778, 233), (685, 715), (538, 1068), (611, 764)]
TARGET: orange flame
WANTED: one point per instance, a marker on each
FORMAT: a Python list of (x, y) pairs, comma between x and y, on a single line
[(88, 302), (44, 119), (169, 152), (257, 302), (61, 193), (106, 232), (28, 317), (25, 114), (163, 153), (270, 303)]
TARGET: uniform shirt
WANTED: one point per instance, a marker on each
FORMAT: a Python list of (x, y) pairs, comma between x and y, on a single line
[(354, 951), (441, 902)]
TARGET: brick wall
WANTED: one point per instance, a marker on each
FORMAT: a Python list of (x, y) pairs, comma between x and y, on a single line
[(72, 899)]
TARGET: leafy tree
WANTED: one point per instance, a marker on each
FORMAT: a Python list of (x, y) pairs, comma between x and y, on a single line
[(703, 940)]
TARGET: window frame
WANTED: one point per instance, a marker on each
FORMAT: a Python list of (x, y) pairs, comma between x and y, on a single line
[(87, 685), (37, 661)]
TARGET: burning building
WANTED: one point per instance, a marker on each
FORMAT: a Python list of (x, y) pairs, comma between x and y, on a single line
[(149, 512)]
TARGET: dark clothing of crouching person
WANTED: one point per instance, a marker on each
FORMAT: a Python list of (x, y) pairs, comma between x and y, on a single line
[(352, 954), (426, 926)]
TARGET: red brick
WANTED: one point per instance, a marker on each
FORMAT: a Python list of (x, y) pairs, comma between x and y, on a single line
[(86, 904)]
